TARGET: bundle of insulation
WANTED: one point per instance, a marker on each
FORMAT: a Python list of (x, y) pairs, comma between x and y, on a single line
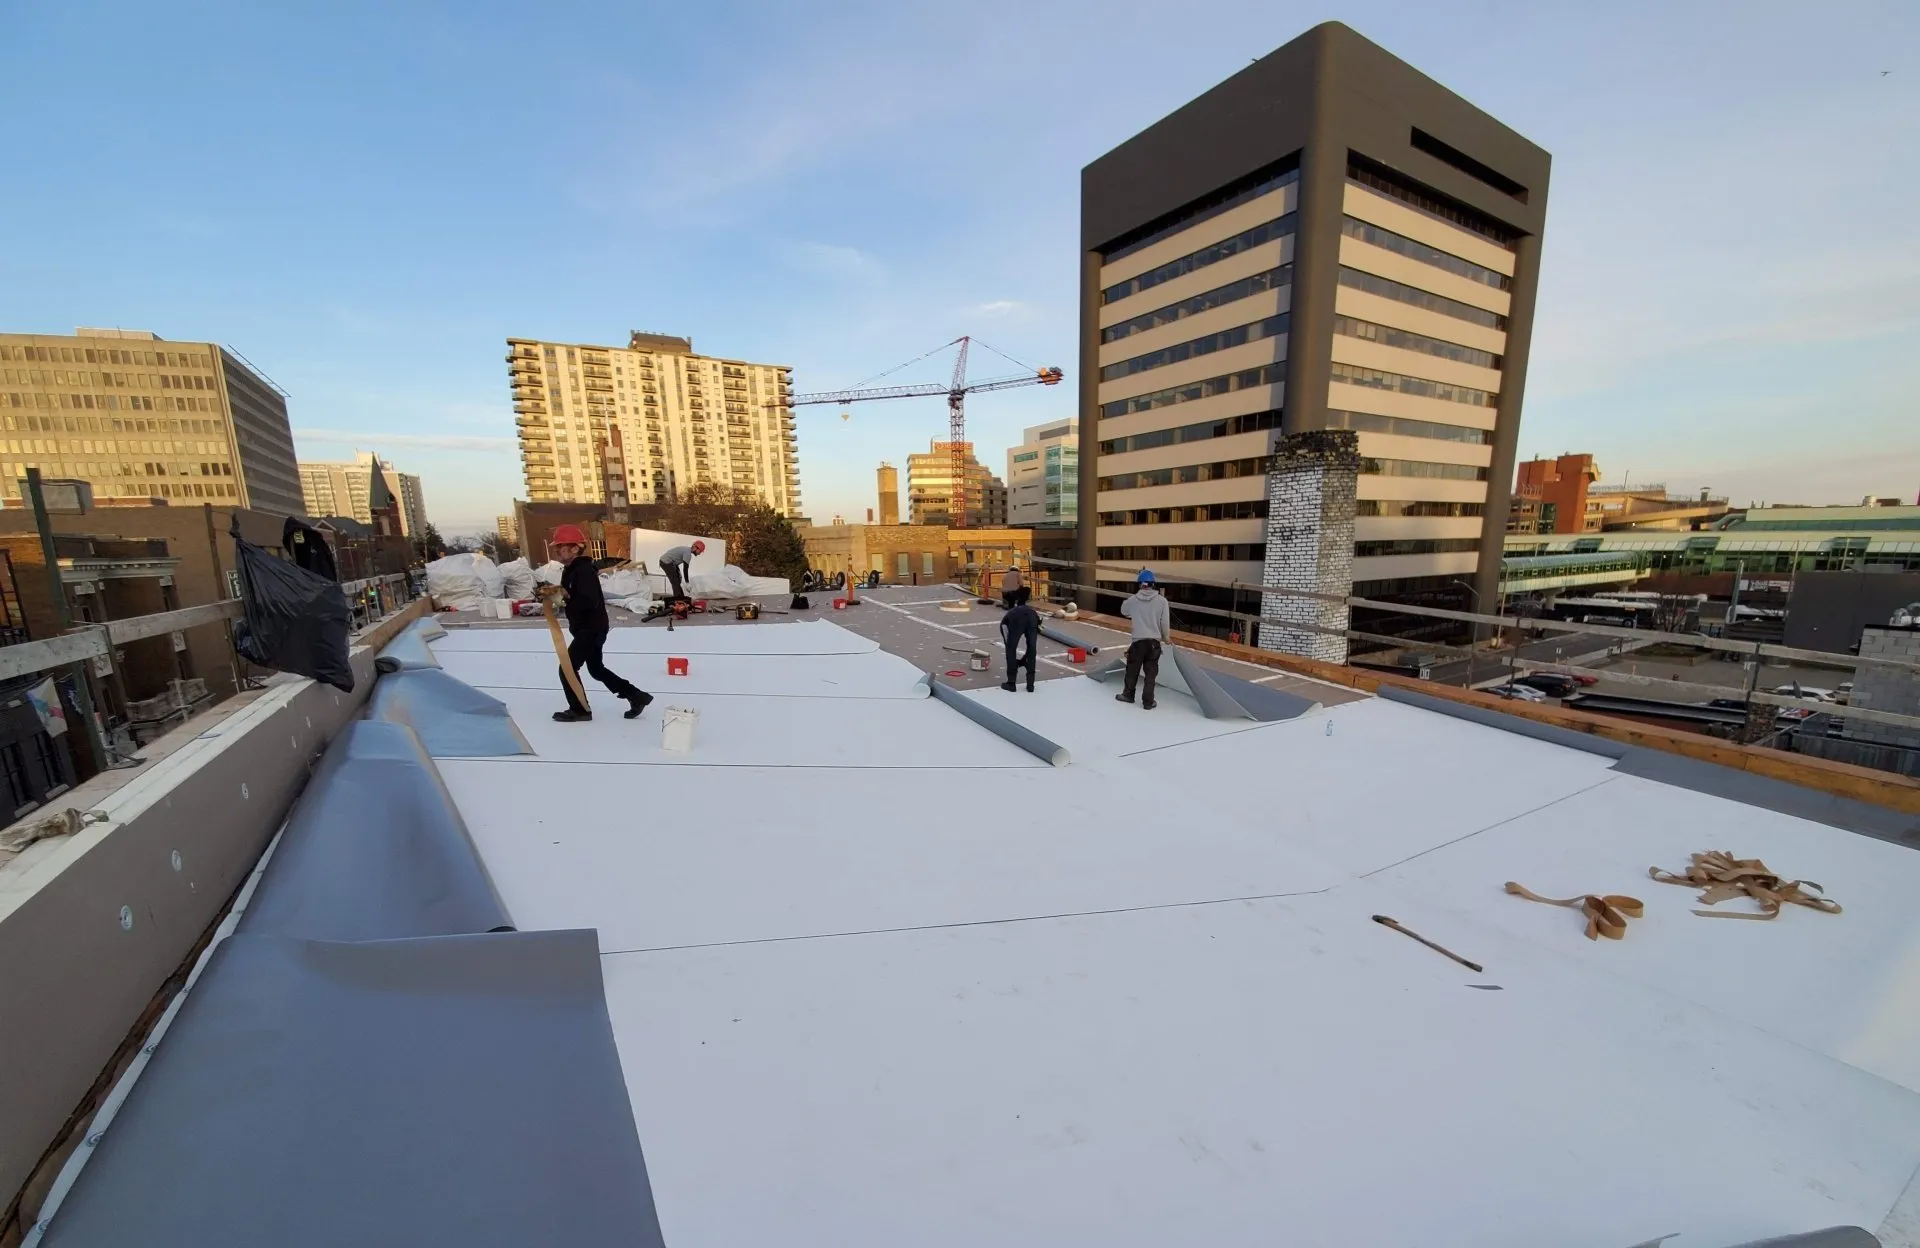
[(462, 582), (733, 582), (517, 579), (549, 572)]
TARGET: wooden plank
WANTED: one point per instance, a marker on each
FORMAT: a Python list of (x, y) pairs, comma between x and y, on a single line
[(54, 652), (139, 627)]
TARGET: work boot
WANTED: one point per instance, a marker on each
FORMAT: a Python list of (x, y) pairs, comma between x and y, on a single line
[(1148, 705), (1123, 697), (1008, 686), (1029, 686), (572, 716), (637, 701)]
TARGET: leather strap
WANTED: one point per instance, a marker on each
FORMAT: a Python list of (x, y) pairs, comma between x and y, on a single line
[(1606, 916), (1721, 877)]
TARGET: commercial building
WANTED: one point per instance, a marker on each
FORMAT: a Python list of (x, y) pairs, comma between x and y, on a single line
[(930, 488), (1552, 496), (932, 554), (889, 488), (643, 422), (1043, 476), (1327, 241), (139, 416), (361, 487)]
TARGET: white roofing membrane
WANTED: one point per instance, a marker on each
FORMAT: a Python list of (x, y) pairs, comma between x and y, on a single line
[(877, 977)]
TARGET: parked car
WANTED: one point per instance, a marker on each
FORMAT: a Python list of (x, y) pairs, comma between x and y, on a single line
[(1805, 691), (1553, 684), (1843, 692), (1518, 692), (1584, 678)]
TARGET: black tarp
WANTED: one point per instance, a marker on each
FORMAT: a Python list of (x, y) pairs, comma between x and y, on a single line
[(308, 548), (296, 621)]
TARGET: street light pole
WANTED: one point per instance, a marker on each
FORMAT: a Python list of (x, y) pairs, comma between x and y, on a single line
[(1473, 645)]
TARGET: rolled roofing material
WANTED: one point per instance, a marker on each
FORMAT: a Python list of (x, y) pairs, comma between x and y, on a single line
[(409, 650), (453, 719), (1067, 639), (998, 724), (1832, 1237), (1187, 675), (1215, 702), (375, 850), (1263, 703), (453, 1090)]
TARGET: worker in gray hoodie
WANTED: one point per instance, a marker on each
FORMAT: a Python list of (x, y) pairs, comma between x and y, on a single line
[(1152, 628)]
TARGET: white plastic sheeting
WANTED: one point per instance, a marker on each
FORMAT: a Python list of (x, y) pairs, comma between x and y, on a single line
[(517, 579), (462, 581)]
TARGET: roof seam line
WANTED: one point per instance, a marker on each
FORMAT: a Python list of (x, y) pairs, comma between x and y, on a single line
[(940, 927), (1609, 778)]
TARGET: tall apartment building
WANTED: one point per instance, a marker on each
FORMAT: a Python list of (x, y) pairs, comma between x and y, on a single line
[(1327, 241), (358, 487), (1043, 476), (888, 484), (643, 422), (139, 416), (930, 488), (507, 529)]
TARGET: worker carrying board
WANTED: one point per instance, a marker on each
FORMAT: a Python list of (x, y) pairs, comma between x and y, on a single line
[(676, 565), (587, 620)]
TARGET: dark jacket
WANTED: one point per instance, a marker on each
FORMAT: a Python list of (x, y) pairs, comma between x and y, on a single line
[(1020, 621), (586, 605)]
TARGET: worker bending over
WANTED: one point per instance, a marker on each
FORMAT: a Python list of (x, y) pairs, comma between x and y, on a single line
[(1010, 587), (674, 565), (587, 621), (1152, 627), (1021, 622)]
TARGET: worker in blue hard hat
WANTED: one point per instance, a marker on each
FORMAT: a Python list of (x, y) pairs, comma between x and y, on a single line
[(1152, 628)]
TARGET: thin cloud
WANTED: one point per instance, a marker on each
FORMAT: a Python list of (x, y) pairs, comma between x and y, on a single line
[(429, 441), (1000, 309), (836, 261)]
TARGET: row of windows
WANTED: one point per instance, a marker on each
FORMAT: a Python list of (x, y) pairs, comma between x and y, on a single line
[(1219, 296), (134, 381), (106, 402), (104, 424), (1421, 468), (1231, 552), (87, 470), (1193, 433), (1245, 190), (1376, 178), (1424, 509), (1186, 474), (1386, 288), (1213, 253), (1238, 336), (1375, 379), (1414, 249), (1416, 546), (106, 355), (1405, 340), (1367, 422), (136, 446), (1206, 388), (1251, 509)]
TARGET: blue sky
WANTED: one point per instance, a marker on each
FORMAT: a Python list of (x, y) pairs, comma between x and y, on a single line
[(368, 199)]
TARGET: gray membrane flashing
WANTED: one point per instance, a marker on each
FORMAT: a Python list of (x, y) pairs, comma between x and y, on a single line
[(449, 1090), (452, 718), (375, 850), (993, 721), (1263, 703), (409, 649), (1550, 733)]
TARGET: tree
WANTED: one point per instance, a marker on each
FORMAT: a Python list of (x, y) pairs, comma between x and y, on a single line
[(497, 548), (760, 540), (427, 543)]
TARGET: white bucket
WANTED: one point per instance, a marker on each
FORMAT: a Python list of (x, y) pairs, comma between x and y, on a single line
[(676, 728)]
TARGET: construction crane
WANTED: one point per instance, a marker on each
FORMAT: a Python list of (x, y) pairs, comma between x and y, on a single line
[(956, 393)]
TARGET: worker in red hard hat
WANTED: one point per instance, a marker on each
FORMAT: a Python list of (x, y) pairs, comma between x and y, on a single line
[(675, 565), (587, 621)]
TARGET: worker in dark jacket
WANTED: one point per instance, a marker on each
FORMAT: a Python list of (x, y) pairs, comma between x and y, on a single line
[(1021, 622), (587, 621)]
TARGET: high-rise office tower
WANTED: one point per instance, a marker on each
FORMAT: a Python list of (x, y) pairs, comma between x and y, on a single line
[(930, 488), (1328, 243), (683, 419), (889, 487), (139, 416), (348, 488), (1043, 476)]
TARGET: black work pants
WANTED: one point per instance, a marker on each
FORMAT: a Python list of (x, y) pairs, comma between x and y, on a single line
[(1143, 658), (1030, 660), (676, 574), (584, 651)]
